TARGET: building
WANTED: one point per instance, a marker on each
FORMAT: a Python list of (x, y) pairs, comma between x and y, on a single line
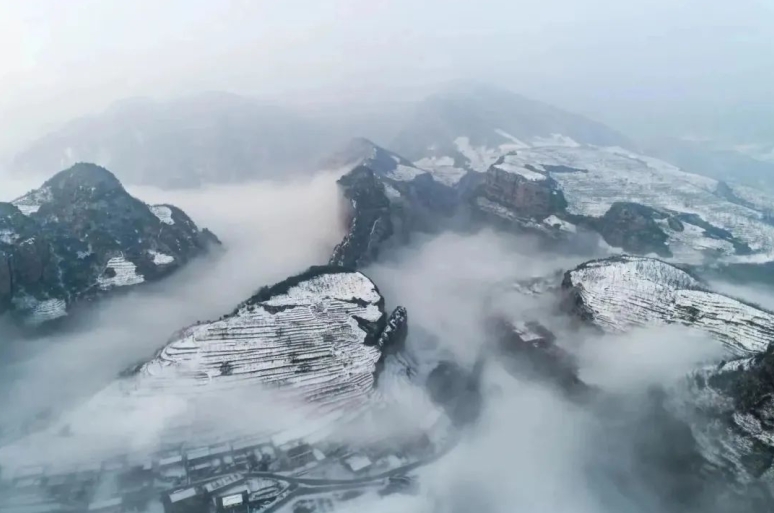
[(236, 503), (188, 500), (114, 505), (357, 463)]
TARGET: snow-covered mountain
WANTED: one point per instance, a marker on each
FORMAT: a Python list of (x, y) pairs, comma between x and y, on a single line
[(623, 292), (310, 347), (736, 397), (81, 235), (461, 124), (726, 405), (637, 203), (208, 138)]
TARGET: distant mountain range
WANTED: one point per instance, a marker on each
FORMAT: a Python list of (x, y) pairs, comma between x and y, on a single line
[(490, 117), (209, 138), (226, 138), (735, 165)]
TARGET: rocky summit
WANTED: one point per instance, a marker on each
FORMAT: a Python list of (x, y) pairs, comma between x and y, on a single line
[(81, 235)]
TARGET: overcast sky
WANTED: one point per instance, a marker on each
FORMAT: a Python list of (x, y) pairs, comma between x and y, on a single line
[(623, 62)]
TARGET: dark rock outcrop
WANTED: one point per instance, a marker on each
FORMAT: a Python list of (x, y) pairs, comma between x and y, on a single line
[(530, 350), (81, 235), (633, 228), (369, 222), (457, 391)]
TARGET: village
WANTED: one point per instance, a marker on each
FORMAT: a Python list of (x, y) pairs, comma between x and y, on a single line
[(250, 476)]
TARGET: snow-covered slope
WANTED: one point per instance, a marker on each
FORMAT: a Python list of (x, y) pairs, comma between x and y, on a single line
[(81, 234), (386, 164), (638, 203), (467, 122), (620, 293), (731, 413), (308, 348)]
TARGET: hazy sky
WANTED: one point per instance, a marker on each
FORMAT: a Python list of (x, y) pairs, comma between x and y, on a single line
[(624, 62)]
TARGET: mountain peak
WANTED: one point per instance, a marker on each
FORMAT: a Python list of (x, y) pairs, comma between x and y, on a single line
[(84, 174), (490, 116)]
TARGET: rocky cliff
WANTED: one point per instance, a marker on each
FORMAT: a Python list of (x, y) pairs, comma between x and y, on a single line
[(81, 235), (369, 219)]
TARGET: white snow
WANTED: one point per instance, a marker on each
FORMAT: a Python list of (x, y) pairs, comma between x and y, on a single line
[(554, 140), (30, 203), (613, 174), (514, 164), (392, 192), (758, 258), (442, 169), (554, 222), (125, 274), (480, 157), (164, 214), (357, 462), (27, 209), (47, 310), (161, 258), (182, 495), (626, 292), (8, 236), (513, 143), (405, 173)]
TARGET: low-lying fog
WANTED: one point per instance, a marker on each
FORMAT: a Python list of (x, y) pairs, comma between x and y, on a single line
[(532, 450), (269, 231)]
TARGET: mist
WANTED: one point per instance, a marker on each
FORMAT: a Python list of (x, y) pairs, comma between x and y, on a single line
[(269, 231), (533, 448), (651, 67)]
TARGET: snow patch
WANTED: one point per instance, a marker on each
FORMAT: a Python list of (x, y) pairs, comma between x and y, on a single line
[(480, 158), (514, 142), (164, 214), (404, 173), (161, 258), (124, 274), (47, 310), (554, 222), (555, 140), (442, 169), (8, 236)]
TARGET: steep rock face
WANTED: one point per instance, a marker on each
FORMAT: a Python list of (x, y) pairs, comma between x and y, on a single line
[(730, 410), (370, 221), (529, 193), (422, 188), (457, 391), (682, 216), (529, 349), (82, 234), (311, 344), (634, 228), (620, 293)]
